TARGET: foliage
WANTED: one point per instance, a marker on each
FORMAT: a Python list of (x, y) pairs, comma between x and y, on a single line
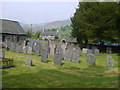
[(29, 33), (95, 21), (56, 37), (69, 75)]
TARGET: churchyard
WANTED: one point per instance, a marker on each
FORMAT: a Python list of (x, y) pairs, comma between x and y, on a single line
[(38, 65)]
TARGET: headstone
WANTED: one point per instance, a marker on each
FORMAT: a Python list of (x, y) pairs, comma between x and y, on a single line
[(37, 49), (52, 49), (88, 52), (17, 48), (58, 55), (108, 50), (110, 61), (73, 54), (44, 53), (1, 54), (93, 49), (84, 50), (29, 62), (91, 59), (13, 46), (29, 49), (96, 52)]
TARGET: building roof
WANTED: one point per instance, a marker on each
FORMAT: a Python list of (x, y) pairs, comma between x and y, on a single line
[(11, 27), (50, 33)]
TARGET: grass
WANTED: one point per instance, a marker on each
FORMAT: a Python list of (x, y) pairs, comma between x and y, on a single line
[(69, 75)]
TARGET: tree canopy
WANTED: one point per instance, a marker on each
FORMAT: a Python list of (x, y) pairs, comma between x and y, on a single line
[(96, 21)]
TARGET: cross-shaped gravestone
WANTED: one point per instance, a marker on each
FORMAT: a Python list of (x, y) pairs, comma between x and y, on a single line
[(91, 59), (29, 62), (58, 55), (110, 61)]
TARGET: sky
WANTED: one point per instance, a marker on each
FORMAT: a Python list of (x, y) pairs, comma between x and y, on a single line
[(38, 12)]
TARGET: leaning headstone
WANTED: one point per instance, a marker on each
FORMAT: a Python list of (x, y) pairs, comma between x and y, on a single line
[(58, 55), (29, 62), (44, 53), (91, 59), (108, 50), (110, 61), (96, 52)]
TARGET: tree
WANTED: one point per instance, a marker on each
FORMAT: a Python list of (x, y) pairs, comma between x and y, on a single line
[(95, 21)]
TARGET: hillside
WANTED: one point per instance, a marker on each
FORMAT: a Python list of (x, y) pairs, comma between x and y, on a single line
[(50, 25)]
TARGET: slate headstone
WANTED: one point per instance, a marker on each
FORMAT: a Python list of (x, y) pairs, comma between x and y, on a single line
[(110, 61), (91, 59), (29, 62), (44, 53), (58, 55)]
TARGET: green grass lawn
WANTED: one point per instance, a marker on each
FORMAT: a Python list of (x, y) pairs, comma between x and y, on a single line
[(69, 75)]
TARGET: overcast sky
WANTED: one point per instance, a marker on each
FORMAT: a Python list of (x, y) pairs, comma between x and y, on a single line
[(38, 12)]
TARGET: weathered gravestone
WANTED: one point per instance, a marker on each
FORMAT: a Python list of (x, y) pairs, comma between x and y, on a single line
[(58, 55), (91, 59), (29, 62), (93, 49), (88, 52), (96, 52), (52, 49), (110, 61), (108, 50), (37, 49), (29, 50), (17, 48), (84, 50), (73, 54), (1, 53), (13, 46), (45, 50)]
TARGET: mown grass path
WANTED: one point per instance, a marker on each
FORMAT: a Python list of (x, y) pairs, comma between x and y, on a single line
[(69, 75)]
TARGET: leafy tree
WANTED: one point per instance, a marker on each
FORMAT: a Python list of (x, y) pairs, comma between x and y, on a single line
[(95, 21)]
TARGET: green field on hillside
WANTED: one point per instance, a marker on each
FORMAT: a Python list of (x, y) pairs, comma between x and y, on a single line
[(69, 75)]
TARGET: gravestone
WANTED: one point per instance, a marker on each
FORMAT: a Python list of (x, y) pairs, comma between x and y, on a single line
[(52, 49), (17, 48), (37, 49), (44, 49), (93, 49), (88, 52), (13, 47), (110, 61), (58, 55), (108, 50), (29, 50), (84, 50), (91, 59), (29, 62), (64, 48), (73, 54), (1, 53), (96, 52)]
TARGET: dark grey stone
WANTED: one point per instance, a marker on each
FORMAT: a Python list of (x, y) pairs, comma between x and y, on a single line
[(58, 55), (44, 53), (91, 59), (110, 61), (29, 62), (108, 50)]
